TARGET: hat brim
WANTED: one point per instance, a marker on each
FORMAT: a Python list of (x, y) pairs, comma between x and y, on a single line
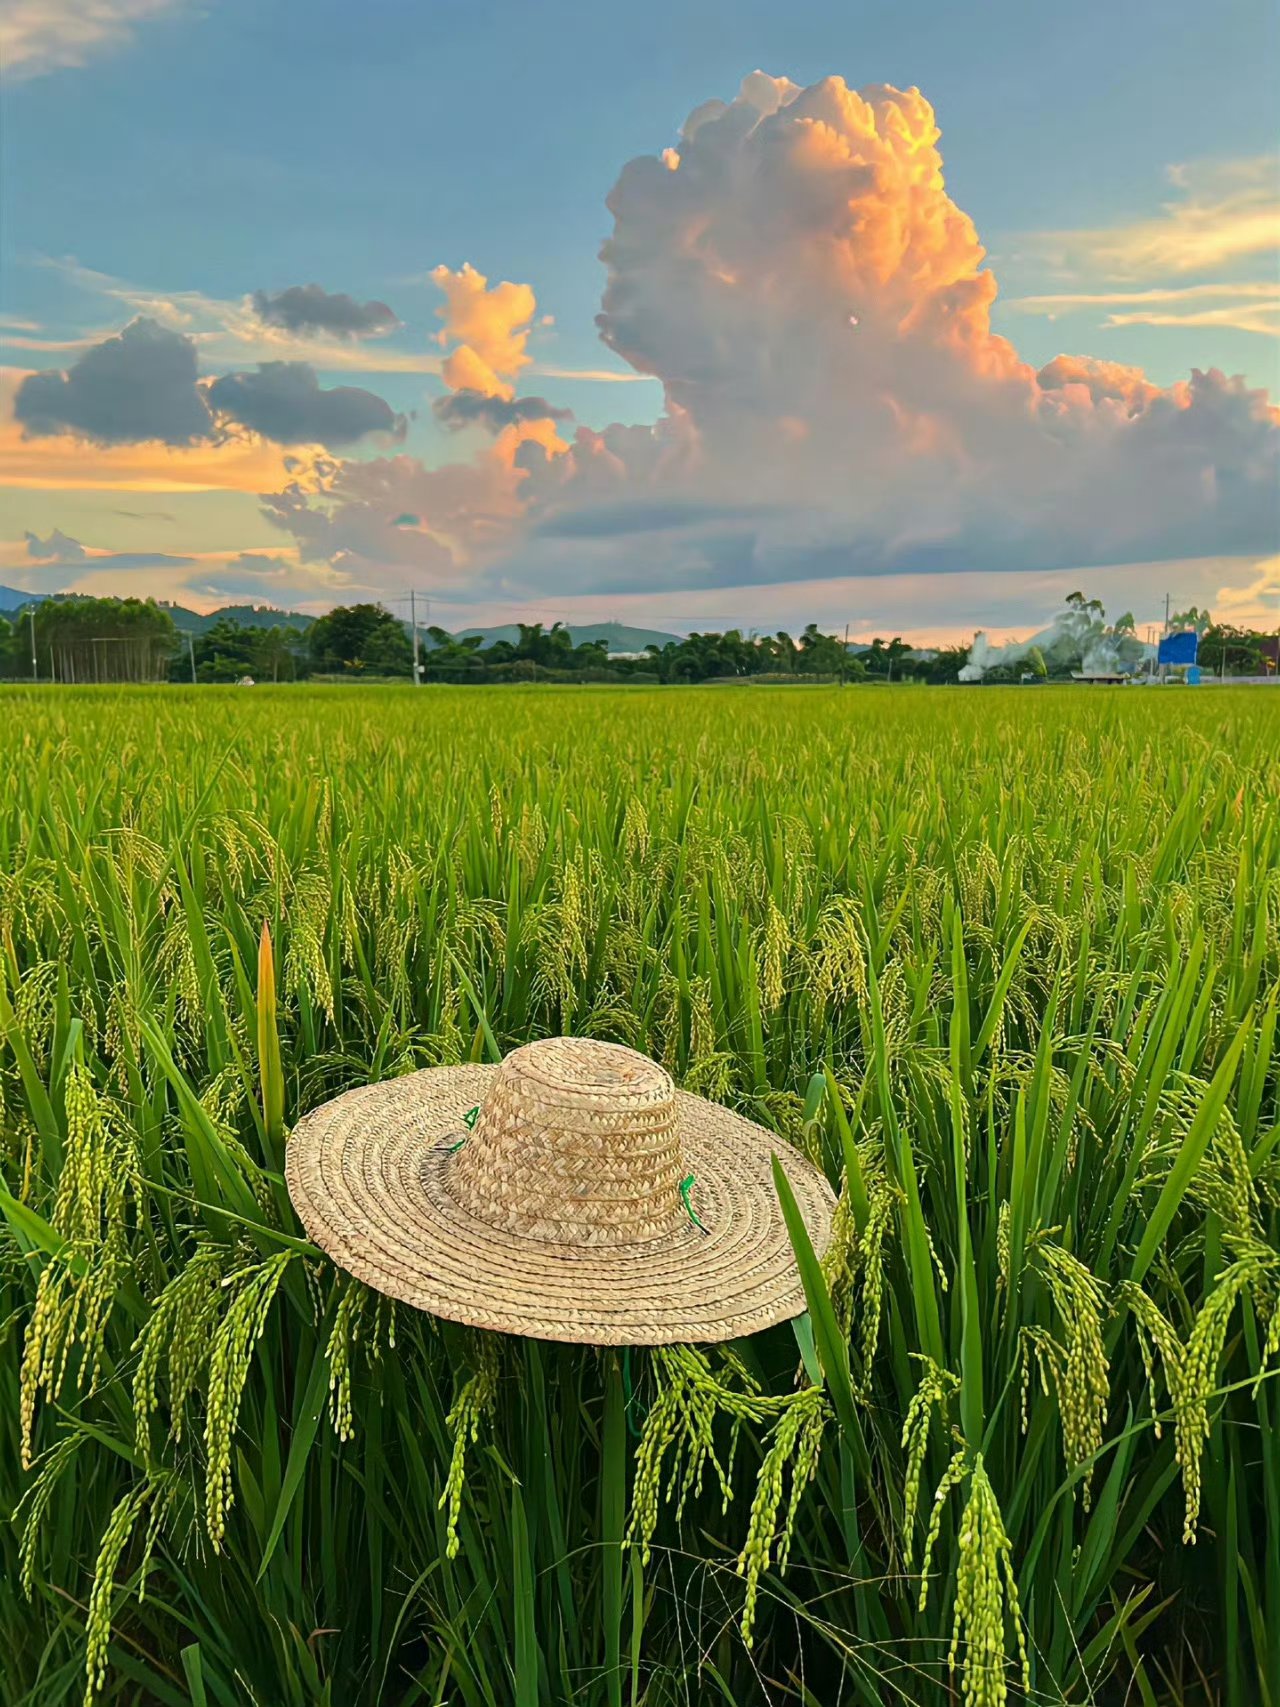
[(368, 1174)]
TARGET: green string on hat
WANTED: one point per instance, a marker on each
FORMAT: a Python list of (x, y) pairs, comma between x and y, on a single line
[(469, 1121), (686, 1186)]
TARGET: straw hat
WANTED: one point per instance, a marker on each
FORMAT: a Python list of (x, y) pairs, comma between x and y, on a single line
[(571, 1193)]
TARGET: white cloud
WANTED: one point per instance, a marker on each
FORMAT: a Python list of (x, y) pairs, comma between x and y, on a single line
[(1226, 212), (1251, 305), (1257, 602), (39, 36), (1261, 317)]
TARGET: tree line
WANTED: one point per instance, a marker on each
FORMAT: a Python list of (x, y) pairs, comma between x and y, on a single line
[(136, 640)]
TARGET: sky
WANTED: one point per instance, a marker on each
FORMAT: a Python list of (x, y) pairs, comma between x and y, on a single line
[(706, 313)]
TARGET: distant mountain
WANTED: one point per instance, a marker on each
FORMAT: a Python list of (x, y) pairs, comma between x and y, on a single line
[(187, 621), (11, 599), (620, 636), (248, 616)]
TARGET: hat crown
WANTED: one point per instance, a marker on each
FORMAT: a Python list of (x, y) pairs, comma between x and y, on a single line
[(576, 1142)]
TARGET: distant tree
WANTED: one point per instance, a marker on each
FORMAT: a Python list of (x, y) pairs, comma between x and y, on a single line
[(15, 656), (548, 648), (1192, 617), (223, 653), (785, 653), (946, 664), (388, 650), (362, 637), (104, 640), (230, 649), (820, 654), (557, 647), (886, 659), (447, 655), (1090, 607), (276, 653), (1230, 651)]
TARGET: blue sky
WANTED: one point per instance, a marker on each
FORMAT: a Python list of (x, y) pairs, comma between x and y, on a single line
[(203, 154)]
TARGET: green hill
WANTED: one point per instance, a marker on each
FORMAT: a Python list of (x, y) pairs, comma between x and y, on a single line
[(248, 616), (13, 600)]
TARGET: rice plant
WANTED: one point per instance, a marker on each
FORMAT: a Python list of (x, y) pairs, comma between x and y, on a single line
[(1007, 965)]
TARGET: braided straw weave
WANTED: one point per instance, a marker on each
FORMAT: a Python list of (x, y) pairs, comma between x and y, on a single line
[(566, 1213)]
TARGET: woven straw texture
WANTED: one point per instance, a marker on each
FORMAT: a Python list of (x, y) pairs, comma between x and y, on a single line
[(560, 1215)]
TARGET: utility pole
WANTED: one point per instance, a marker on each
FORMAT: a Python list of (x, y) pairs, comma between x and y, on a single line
[(35, 668), (413, 618), (191, 653), (1164, 668), (844, 656)]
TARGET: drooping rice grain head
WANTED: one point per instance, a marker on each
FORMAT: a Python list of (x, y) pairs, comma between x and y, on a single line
[(1191, 1368), (1078, 1364), (933, 1394), (343, 1339), (178, 1333), (986, 1591), (796, 1443), (472, 1406), (98, 1620), (232, 1350)]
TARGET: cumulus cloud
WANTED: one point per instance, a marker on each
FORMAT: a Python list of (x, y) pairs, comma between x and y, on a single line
[(817, 309), (309, 308), (137, 386), (284, 401), (490, 326), (473, 408)]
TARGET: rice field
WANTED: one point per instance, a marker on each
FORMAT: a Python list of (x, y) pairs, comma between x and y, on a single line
[(1006, 964)]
